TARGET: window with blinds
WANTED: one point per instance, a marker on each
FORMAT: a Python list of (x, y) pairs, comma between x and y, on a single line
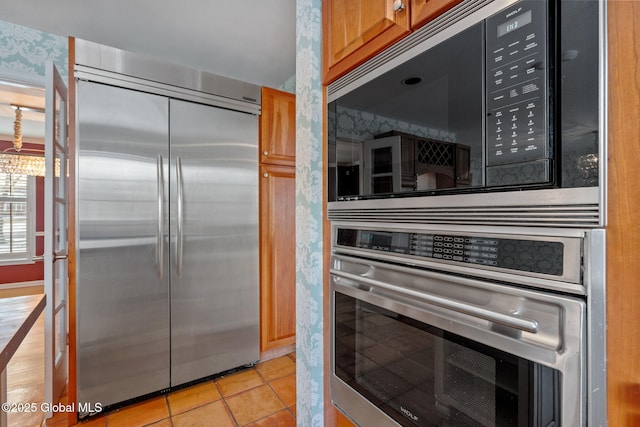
[(17, 230)]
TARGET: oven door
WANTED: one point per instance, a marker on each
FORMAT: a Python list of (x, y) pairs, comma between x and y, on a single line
[(414, 347)]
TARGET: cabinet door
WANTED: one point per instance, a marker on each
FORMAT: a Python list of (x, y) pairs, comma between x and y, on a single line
[(356, 30), (277, 256), (423, 11), (278, 128)]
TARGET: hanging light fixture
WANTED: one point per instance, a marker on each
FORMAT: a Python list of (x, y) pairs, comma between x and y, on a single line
[(21, 163), (17, 130)]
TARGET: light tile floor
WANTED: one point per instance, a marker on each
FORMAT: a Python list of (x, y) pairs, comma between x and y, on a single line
[(263, 396)]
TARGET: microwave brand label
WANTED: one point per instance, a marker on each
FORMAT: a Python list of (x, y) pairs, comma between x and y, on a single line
[(514, 12), (408, 413)]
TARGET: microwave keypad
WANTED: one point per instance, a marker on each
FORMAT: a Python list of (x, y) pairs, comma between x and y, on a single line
[(516, 77)]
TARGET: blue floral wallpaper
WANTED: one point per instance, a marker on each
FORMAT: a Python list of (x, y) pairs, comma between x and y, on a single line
[(289, 85), (309, 292), (355, 125), (24, 53)]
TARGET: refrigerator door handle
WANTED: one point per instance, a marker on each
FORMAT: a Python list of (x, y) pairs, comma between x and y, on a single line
[(180, 225), (160, 231)]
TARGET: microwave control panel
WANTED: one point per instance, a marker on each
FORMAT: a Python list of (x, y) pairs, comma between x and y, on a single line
[(526, 255), (516, 90)]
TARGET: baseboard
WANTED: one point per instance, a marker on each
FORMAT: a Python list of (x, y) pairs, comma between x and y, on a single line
[(16, 285), (277, 352)]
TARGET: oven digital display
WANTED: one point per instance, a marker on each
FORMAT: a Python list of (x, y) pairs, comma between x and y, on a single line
[(535, 256), (514, 23)]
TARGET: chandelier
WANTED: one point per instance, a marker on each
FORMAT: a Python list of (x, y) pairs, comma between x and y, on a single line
[(20, 163)]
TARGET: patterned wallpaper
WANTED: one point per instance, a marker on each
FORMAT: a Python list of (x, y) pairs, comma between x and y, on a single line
[(289, 85), (355, 125), (24, 53), (309, 291)]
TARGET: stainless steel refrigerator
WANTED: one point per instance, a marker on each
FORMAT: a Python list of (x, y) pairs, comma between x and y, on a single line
[(167, 217)]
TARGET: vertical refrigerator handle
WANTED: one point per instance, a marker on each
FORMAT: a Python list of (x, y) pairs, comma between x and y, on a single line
[(180, 225), (160, 231)]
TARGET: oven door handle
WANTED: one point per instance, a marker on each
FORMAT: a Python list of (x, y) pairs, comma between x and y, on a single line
[(527, 325)]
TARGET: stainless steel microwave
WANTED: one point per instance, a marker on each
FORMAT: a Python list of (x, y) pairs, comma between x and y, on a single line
[(501, 100)]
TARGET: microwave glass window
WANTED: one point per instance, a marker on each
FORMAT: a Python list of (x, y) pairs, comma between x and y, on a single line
[(421, 375), (431, 105)]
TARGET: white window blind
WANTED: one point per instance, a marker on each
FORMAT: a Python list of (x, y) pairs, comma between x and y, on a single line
[(17, 225)]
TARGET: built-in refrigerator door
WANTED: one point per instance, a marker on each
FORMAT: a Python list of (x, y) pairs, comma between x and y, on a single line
[(123, 262), (214, 249)]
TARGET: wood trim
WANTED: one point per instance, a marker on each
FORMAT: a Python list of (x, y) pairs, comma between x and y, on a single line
[(623, 229), (71, 291), (325, 59), (277, 352)]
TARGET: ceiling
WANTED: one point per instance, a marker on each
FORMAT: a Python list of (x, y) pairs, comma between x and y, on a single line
[(253, 41)]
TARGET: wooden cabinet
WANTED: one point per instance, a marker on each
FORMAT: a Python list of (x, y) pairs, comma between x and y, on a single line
[(278, 128), (423, 11), (277, 257), (355, 30), (277, 222), (623, 205)]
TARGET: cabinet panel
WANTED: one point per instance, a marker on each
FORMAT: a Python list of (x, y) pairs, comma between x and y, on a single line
[(358, 29), (423, 11), (278, 128), (277, 256), (623, 239)]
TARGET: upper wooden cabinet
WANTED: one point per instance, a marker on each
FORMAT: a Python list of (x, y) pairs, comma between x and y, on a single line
[(278, 128), (423, 11), (355, 30)]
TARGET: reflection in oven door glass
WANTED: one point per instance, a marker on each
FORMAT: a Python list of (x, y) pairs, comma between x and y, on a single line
[(423, 376)]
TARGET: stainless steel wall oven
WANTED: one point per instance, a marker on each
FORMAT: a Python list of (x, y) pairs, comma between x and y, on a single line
[(467, 326)]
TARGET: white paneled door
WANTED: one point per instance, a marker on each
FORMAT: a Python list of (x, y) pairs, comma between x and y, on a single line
[(56, 237)]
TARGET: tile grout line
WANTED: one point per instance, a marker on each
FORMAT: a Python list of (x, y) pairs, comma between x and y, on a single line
[(224, 400), (226, 406)]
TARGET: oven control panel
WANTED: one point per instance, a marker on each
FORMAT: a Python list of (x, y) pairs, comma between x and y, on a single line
[(526, 255)]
